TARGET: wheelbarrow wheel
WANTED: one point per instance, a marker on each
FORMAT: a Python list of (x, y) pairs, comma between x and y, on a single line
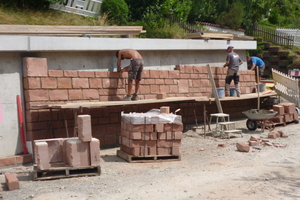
[(251, 125)]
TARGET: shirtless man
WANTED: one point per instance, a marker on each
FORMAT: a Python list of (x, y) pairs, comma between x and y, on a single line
[(134, 70)]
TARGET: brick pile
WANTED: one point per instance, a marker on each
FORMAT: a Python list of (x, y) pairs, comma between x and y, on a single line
[(81, 151), (286, 112), (150, 134)]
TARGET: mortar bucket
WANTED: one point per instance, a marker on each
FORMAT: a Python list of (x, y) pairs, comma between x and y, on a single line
[(261, 87), (232, 92), (220, 92)]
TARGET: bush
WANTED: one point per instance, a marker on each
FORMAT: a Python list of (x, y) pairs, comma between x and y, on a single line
[(116, 10)]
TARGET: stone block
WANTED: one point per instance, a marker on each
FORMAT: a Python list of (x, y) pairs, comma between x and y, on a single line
[(159, 128), (168, 143), (161, 96), (162, 136), (173, 127), (165, 109), (273, 135), (288, 107), (241, 146), (254, 138), (279, 109), (84, 128), (41, 155), (253, 143), (12, 181), (35, 67), (77, 153), (95, 152)]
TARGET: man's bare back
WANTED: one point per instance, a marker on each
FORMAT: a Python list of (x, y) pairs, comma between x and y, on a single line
[(130, 54)]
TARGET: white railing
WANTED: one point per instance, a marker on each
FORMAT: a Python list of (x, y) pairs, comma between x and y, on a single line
[(293, 32), (286, 86), (88, 8)]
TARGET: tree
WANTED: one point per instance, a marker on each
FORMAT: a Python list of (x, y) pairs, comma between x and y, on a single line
[(203, 10), (116, 10), (233, 18)]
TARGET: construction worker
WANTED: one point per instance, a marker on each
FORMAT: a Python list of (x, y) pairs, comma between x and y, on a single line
[(255, 62), (134, 70), (233, 61)]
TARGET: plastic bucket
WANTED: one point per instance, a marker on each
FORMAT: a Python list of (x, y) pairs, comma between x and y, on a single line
[(232, 92), (261, 87), (220, 92)]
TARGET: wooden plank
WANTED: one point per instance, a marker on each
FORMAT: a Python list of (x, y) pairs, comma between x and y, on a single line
[(210, 36), (147, 159), (114, 103)]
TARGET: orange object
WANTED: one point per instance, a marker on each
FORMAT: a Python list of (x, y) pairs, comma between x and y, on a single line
[(21, 123)]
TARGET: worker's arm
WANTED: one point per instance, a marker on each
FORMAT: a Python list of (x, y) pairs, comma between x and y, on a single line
[(253, 66), (125, 69), (241, 62), (226, 64), (119, 62)]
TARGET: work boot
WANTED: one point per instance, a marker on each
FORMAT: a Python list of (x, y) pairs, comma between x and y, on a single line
[(227, 87), (126, 98), (134, 97), (238, 90)]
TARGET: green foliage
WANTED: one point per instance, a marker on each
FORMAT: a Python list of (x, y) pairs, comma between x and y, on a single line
[(233, 18), (116, 11), (203, 10), (32, 4), (258, 51), (274, 16), (139, 8)]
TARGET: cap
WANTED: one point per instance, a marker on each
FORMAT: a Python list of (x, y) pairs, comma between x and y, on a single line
[(230, 47)]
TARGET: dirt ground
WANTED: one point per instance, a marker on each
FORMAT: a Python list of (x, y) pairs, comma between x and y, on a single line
[(206, 171)]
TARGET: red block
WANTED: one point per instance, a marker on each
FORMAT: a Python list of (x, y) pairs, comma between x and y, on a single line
[(165, 109), (95, 152), (140, 128), (42, 155), (173, 127), (84, 128), (288, 107), (253, 143), (162, 136), (12, 181), (35, 67), (279, 109), (159, 128), (241, 146), (273, 134), (168, 143), (254, 138)]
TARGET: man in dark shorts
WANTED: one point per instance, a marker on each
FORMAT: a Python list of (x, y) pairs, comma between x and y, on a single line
[(256, 62), (134, 70), (233, 61)]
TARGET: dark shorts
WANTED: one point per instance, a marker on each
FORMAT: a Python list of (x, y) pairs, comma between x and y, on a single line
[(260, 70), (135, 69)]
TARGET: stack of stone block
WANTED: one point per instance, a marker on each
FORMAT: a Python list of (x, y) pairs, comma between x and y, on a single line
[(157, 132), (81, 151), (286, 112)]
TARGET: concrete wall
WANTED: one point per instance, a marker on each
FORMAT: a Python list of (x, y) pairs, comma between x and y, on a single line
[(11, 86)]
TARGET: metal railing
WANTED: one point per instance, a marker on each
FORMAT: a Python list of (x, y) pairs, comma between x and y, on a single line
[(271, 35)]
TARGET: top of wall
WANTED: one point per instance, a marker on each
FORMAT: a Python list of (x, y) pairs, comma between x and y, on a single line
[(46, 43)]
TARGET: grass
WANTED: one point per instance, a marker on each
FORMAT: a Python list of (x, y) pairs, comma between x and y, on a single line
[(47, 17)]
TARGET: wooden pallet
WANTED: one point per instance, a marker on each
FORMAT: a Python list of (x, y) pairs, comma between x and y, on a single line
[(146, 159), (65, 172)]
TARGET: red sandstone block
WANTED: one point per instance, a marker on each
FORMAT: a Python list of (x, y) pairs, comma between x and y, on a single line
[(183, 86), (273, 134), (241, 146), (7, 161), (254, 138), (164, 151), (288, 107), (64, 83), (58, 95), (173, 127), (35, 67), (95, 83), (77, 153), (162, 136), (26, 158), (295, 116), (56, 73), (279, 119), (75, 94), (161, 96), (95, 152), (279, 109), (177, 135), (86, 74), (32, 83), (49, 83), (84, 128), (168, 143), (36, 95), (287, 117), (135, 135), (12, 181), (165, 109), (159, 128), (80, 83), (265, 140), (110, 83), (148, 128), (70, 73), (55, 149), (90, 94), (41, 155), (169, 135), (253, 143)]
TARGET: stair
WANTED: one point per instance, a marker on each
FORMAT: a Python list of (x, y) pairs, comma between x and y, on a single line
[(227, 128)]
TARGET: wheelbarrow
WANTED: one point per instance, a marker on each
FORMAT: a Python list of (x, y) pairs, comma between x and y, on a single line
[(262, 118)]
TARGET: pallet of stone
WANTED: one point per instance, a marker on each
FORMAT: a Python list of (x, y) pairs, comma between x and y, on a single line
[(147, 158), (58, 171)]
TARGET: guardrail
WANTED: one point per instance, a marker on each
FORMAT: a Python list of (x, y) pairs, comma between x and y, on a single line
[(88, 8), (286, 86)]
